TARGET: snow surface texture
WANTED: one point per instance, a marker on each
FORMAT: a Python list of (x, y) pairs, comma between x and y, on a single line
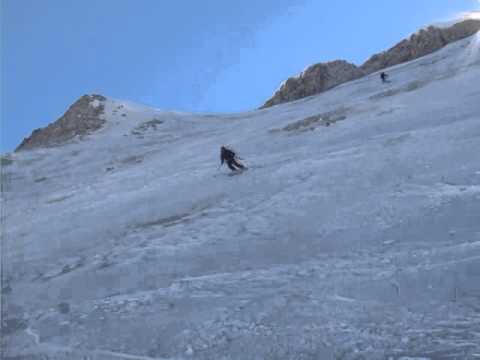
[(355, 234)]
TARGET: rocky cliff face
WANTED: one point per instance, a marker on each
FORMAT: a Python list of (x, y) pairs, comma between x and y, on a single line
[(420, 44), (82, 118), (324, 76), (315, 79)]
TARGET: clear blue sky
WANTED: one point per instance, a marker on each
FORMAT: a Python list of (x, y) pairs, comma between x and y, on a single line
[(190, 55)]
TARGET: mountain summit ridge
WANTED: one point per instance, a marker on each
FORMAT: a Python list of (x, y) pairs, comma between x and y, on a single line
[(83, 117), (321, 77)]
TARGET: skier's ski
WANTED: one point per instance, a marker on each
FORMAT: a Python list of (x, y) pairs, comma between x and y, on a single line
[(237, 172)]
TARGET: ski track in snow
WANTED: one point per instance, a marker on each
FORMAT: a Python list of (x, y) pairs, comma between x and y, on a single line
[(360, 240)]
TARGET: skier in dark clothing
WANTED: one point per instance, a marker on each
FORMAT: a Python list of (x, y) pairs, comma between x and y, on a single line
[(384, 77), (229, 156)]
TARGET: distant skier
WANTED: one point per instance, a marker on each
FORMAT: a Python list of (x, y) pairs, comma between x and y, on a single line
[(229, 156), (384, 77)]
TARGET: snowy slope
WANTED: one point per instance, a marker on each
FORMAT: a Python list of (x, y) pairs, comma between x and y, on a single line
[(358, 240)]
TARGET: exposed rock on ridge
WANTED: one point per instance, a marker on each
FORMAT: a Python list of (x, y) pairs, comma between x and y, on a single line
[(422, 43), (82, 118), (315, 79), (324, 76)]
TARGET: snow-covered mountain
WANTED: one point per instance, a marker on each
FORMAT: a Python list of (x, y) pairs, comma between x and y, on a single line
[(355, 233)]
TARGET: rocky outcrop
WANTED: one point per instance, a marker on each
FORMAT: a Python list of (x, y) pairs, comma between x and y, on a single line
[(324, 76), (422, 43), (82, 118), (315, 79)]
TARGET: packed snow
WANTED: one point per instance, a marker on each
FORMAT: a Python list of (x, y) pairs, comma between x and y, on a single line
[(353, 235)]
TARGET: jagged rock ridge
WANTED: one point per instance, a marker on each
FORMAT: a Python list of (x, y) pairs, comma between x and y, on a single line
[(315, 79), (324, 76), (82, 118), (422, 43)]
